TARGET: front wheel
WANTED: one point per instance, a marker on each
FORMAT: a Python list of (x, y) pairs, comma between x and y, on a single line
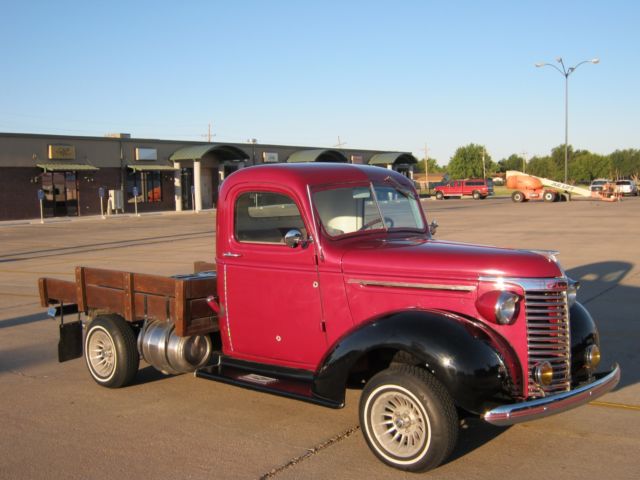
[(476, 195), (439, 195), (110, 351), (517, 197), (408, 418)]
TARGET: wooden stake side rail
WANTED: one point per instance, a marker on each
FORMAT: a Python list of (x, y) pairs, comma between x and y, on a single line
[(136, 296)]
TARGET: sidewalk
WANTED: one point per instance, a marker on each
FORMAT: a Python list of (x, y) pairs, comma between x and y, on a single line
[(52, 220)]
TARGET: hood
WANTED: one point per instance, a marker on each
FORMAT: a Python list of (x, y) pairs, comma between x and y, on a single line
[(435, 258)]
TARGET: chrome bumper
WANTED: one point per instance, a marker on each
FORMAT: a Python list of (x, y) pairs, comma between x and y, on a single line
[(543, 407)]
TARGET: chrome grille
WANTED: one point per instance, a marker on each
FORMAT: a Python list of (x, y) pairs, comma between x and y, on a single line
[(548, 338)]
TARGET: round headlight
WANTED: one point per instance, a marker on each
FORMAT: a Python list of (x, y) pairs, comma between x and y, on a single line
[(592, 356), (572, 292), (543, 373), (506, 307)]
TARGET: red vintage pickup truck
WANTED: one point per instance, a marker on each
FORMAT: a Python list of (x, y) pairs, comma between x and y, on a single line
[(328, 277)]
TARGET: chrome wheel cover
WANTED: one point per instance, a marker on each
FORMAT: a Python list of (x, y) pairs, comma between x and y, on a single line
[(398, 424), (101, 353)]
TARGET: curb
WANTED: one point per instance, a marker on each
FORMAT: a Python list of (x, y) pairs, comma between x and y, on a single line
[(56, 220)]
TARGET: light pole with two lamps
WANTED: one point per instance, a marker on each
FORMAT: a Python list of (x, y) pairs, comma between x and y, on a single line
[(565, 72)]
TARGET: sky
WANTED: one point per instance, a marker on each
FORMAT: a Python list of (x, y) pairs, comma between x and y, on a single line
[(385, 75)]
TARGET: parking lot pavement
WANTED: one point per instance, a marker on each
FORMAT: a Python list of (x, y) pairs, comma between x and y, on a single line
[(57, 423)]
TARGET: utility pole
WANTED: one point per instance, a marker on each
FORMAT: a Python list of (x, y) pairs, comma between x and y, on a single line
[(426, 165), (209, 136), (340, 143), (484, 171), (524, 162)]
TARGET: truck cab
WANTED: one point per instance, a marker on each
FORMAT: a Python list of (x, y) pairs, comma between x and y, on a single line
[(328, 277), (260, 268)]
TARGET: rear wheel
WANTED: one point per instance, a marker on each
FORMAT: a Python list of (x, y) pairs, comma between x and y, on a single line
[(110, 351), (517, 197), (549, 196), (408, 418)]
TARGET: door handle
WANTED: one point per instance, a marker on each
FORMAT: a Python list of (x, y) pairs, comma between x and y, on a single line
[(231, 254)]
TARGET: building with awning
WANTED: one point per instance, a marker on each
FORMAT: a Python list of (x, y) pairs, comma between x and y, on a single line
[(200, 169), (317, 155), (162, 167), (398, 161), (71, 172), (61, 167)]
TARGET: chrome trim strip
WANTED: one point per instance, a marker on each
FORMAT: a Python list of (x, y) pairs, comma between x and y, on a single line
[(542, 407), (420, 286), (526, 283)]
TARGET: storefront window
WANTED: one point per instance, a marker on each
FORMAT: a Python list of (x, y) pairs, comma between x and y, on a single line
[(60, 193), (148, 186)]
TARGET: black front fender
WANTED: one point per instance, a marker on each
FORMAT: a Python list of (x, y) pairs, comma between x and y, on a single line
[(584, 333), (455, 351)]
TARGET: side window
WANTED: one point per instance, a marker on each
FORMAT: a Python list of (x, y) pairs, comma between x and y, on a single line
[(265, 217)]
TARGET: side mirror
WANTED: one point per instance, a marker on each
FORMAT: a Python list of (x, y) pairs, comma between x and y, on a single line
[(293, 238), (433, 226)]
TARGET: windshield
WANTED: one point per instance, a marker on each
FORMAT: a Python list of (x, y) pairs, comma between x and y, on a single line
[(352, 209)]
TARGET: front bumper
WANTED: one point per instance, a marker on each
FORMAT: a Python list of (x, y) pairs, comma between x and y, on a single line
[(543, 407)]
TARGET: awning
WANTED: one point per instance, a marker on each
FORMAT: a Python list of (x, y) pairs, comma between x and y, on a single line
[(149, 167), (392, 158), (66, 167), (317, 155), (196, 152)]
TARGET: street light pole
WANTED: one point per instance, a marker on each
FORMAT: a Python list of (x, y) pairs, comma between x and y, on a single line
[(565, 72)]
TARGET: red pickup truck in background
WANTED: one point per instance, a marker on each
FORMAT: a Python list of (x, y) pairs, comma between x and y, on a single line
[(327, 277), (477, 188)]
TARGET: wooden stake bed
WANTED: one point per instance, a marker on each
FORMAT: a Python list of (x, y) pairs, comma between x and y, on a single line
[(138, 296)]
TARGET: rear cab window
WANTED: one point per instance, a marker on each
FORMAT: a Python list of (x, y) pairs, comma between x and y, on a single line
[(265, 217)]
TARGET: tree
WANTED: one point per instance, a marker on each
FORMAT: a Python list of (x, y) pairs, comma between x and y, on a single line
[(433, 166), (586, 166), (557, 155), (514, 162), (625, 163), (542, 167), (467, 162)]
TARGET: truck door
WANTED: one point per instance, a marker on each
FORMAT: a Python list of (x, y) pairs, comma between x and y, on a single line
[(450, 188), (272, 303)]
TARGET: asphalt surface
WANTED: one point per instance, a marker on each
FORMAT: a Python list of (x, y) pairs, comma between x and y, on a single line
[(57, 423)]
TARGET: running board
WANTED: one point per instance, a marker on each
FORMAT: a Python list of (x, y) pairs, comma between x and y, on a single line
[(296, 388)]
